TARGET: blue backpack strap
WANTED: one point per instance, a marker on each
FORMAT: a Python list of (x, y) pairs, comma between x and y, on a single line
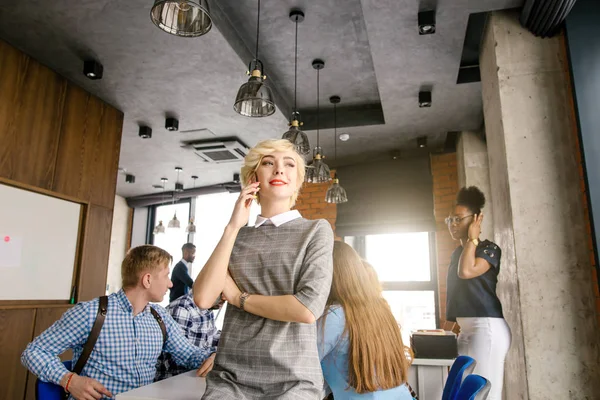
[(161, 323)]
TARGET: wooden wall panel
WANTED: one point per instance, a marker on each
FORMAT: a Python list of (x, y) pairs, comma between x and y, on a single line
[(16, 329), (11, 61), (44, 318), (94, 260), (30, 119), (106, 158), (54, 136), (81, 126)]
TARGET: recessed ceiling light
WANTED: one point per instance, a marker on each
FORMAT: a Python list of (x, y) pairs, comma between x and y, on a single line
[(145, 132), (172, 124), (426, 22), (344, 137), (93, 69), (129, 178), (422, 142), (425, 99)]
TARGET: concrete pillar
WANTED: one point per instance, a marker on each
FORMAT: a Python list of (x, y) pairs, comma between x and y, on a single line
[(545, 282), (473, 170)]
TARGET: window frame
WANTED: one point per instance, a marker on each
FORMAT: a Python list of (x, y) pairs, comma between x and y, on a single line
[(152, 218), (417, 286)]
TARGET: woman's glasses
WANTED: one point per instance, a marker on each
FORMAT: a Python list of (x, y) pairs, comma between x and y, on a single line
[(456, 219)]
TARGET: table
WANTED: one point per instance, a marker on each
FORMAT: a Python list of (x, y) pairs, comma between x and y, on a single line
[(186, 386), (428, 376)]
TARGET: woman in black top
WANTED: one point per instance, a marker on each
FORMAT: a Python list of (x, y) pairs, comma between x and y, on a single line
[(471, 291)]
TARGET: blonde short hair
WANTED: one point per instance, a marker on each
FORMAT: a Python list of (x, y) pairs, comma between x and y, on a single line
[(142, 259), (266, 147)]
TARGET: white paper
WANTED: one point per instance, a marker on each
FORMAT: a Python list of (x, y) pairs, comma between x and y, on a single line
[(11, 249)]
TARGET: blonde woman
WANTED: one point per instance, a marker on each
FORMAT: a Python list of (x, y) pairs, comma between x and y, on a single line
[(360, 345), (276, 275)]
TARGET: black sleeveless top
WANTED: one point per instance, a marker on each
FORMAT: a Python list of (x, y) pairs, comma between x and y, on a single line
[(474, 297)]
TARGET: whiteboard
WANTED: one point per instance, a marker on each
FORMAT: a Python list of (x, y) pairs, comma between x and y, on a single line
[(38, 245)]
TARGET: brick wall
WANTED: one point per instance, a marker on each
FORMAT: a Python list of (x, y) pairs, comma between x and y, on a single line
[(312, 205), (445, 186)]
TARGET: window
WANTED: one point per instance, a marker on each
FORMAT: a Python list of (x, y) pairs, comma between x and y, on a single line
[(213, 212), (172, 239), (407, 273)]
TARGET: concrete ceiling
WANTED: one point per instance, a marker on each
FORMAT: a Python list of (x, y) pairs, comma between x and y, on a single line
[(375, 61)]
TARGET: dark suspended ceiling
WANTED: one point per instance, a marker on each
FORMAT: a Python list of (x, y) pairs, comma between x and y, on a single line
[(375, 61)]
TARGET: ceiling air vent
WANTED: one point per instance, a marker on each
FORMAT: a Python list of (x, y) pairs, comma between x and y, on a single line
[(218, 151)]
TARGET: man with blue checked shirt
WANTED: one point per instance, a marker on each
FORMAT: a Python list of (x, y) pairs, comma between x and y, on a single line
[(130, 341)]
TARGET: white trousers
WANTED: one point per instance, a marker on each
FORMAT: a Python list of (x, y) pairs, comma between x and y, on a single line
[(487, 341)]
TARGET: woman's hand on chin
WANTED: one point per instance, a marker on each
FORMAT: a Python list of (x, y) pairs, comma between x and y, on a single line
[(241, 210)]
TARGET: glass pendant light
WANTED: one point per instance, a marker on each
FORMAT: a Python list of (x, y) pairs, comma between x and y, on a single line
[(335, 194), (255, 99), (191, 228), (160, 228), (318, 171), (174, 223), (294, 134), (185, 18)]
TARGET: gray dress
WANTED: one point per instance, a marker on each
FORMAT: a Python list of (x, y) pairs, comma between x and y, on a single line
[(259, 358)]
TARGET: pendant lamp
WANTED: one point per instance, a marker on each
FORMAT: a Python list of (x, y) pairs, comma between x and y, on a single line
[(294, 134), (174, 223), (318, 171), (335, 194), (184, 18), (255, 99), (191, 228), (160, 228)]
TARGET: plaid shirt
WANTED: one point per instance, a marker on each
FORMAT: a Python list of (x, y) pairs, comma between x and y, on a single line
[(125, 354), (198, 326)]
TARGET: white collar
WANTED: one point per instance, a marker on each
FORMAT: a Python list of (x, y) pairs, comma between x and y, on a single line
[(187, 264), (278, 219)]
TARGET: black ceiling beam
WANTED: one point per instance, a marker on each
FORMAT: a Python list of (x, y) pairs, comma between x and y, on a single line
[(468, 71), (347, 116)]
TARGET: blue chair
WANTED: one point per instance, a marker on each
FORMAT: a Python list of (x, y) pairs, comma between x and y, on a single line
[(474, 387), (462, 366), (50, 391)]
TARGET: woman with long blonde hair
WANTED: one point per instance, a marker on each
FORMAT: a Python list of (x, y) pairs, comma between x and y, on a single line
[(275, 275), (360, 345)]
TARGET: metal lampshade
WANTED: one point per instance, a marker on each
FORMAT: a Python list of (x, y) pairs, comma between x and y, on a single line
[(160, 228), (297, 137), (319, 173), (294, 134), (255, 99), (174, 223), (186, 18), (191, 228), (336, 194)]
